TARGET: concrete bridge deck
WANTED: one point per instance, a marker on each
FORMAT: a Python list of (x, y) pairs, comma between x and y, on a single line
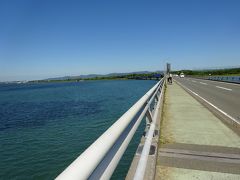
[(195, 144)]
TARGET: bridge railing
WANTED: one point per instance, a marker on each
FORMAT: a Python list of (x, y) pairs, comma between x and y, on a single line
[(232, 79), (101, 158)]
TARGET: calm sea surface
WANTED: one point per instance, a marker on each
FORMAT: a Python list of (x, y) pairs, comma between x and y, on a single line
[(44, 127)]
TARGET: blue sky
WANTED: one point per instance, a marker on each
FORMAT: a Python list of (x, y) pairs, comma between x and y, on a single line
[(49, 38)]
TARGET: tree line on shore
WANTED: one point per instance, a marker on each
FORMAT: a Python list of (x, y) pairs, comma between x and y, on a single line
[(212, 72)]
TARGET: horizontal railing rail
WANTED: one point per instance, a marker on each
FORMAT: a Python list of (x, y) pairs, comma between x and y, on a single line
[(101, 158)]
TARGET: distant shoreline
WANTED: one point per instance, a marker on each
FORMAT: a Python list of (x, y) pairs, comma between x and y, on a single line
[(83, 80), (149, 76)]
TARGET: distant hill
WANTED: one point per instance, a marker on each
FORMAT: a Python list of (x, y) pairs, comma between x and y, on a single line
[(76, 77), (101, 75)]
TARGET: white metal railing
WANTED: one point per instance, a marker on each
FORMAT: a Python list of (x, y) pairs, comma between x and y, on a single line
[(100, 159), (141, 167)]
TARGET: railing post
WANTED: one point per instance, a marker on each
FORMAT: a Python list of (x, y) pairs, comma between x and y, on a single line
[(148, 117)]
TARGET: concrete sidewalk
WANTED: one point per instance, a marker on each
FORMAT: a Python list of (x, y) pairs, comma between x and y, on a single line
[(194, 143)]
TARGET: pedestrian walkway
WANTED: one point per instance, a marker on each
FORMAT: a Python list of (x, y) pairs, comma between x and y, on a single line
[(194, 143)]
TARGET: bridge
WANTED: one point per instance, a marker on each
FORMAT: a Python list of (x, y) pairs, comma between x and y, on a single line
[(192, 132)]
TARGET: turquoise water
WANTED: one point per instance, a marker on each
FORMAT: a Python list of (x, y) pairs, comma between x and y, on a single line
[(44, 127)]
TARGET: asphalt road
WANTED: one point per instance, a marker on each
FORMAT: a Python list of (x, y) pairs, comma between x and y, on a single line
[(225, 96)]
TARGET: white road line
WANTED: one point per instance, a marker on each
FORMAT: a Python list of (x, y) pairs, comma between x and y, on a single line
[(222, 82), (224, 88), (232, 118), (203, 83), (228, 83)]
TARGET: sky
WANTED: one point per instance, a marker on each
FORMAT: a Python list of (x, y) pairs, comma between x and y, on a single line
[(52, 38)]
